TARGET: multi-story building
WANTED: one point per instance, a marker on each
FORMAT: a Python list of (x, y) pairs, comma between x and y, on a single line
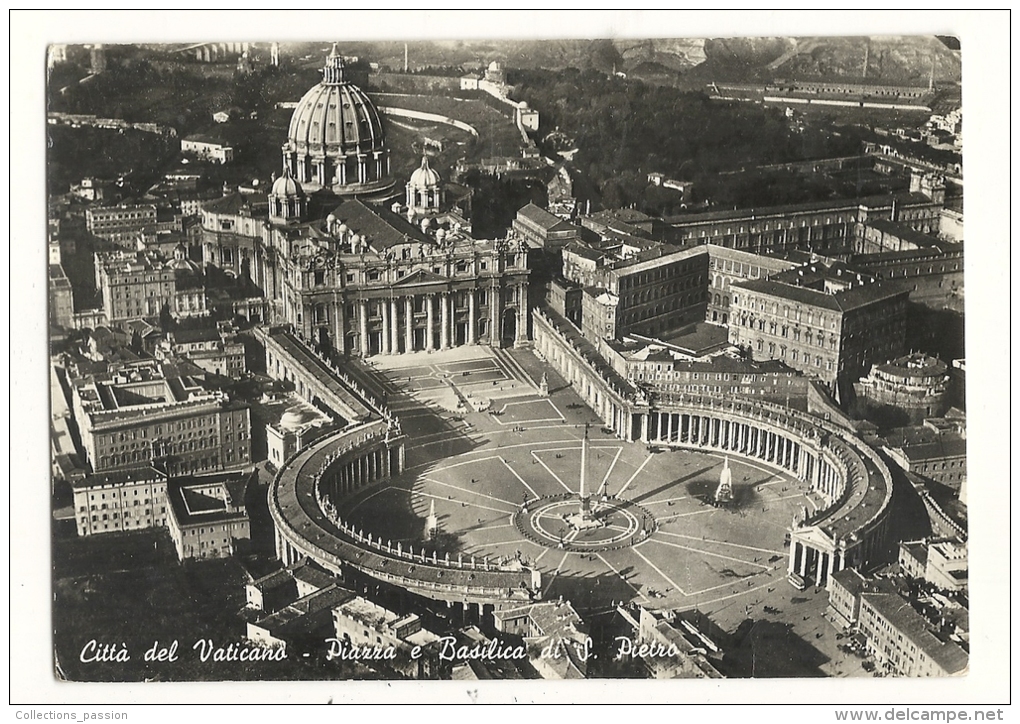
[(147, 412), (845, 589), (359, 622), (828, 321), (681, 650), (207, 516), (933, 451), (729, 266), (904, 640), (941, 563), (916, 383), (649, 293), (300, 627), (118, 500), (209, 349), (207, 148), (930, 265), (141, 284), (553, 627), (120, 224), (824, 227), (657, 370)]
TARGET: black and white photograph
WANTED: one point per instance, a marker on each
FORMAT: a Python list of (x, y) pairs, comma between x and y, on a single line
[(537, 358)]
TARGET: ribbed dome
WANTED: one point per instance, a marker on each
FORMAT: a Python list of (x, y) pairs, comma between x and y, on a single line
[(287, 186), (336, 138), (336, 115), (425, 177)]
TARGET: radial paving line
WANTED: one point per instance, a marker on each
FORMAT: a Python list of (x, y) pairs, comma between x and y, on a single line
[(470, 492), (501, 542), (457, 465), (709, 553), (667, 500), (733, 595), (473, 505), (540, 462), (637, 472), (669, 580), (621, 577), (553, 576), (619, 451), (726, 543), (492, 527), (369, 497), (523, 481)]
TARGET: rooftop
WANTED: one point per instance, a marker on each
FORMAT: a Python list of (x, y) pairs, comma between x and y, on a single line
[(834, 286), (210, 498), (543, 219), (770, 212), (380, 227), (904, 232)]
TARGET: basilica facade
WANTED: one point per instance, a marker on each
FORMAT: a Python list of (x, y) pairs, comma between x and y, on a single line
[(339, 257)]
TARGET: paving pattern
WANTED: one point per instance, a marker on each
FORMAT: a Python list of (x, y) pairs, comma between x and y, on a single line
[(504, 479)]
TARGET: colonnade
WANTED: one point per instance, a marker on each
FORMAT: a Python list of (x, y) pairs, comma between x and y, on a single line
[(419, 322), (744, 438)]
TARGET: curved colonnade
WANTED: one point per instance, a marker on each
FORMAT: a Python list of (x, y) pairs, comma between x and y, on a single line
[(302, 502), (848, 530)]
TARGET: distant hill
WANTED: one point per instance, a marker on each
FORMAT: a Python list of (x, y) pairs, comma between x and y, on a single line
[(899, 60), (691, 61)]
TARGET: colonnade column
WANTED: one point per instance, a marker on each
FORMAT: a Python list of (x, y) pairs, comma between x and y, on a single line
[(430, 323)]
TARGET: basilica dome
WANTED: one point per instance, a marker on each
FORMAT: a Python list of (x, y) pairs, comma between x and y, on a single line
[(336, 139)]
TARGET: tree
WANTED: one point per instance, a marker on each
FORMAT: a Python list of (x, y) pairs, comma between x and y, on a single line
[(166, 318)]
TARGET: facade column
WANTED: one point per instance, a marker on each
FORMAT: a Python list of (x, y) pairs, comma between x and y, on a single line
[(472, 330), (430, 323), (394, 327), (409, 330), (794, 546), (823, 563), (339, 334), (444, 332), (366, 348), (644, 427), (521, 336), (494, 309), (805, 552), (384, 345)]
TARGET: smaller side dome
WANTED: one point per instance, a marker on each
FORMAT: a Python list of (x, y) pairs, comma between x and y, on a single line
[(287, 186), (425, 177)]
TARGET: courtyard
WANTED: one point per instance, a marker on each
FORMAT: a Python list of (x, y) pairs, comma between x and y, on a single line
[(501, 466)]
